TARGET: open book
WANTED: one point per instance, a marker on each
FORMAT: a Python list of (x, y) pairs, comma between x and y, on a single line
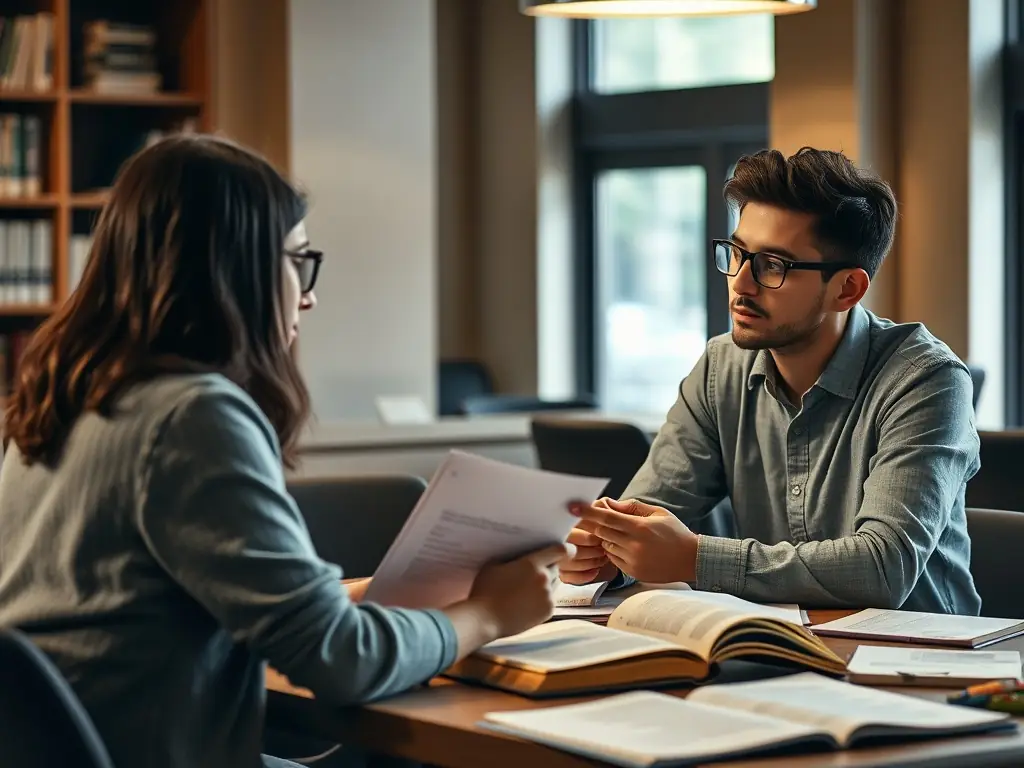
[(645, 728), (595, 602), (658, 637), (930, 628)]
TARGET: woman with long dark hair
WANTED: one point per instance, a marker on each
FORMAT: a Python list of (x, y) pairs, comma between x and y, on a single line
[(147, 543)]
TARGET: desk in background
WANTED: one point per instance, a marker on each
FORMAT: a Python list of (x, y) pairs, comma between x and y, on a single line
[(343, 449), (437, 726)]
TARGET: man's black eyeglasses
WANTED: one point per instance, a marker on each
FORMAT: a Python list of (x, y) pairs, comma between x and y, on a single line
[(307, 263), (768, 270)]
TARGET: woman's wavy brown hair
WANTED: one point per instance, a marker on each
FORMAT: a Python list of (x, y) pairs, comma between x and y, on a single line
[(184, 275)]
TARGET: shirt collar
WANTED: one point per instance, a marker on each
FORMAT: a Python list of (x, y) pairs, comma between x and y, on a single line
[(843, 373)]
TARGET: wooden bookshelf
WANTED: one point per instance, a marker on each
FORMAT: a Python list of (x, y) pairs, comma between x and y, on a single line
[(85, 134)]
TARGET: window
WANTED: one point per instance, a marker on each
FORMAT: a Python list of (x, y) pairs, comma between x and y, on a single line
[(653, 281), (655, 54), (663, 109)]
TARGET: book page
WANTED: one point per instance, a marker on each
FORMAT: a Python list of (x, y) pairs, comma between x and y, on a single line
[(910, 663), (644, 727), (475, 511), (909, 624), (605, 602), (691, 619), (578, 596), (838, 707), (569, 645)]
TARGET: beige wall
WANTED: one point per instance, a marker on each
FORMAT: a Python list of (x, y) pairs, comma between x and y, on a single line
[(488, 239)]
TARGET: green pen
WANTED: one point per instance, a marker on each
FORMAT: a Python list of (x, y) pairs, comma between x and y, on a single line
[(1012, 703)]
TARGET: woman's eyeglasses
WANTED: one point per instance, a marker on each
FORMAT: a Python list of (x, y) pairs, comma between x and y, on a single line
[(307, 264), (768, 270)]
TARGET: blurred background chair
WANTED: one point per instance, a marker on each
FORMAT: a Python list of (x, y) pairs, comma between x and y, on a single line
[(480, 405), (42, 722), (611, 449), (997, 484), (458, 380), (591, 448), (353, 520), (997, 540)]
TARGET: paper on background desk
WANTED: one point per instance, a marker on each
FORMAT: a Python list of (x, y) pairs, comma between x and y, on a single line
[(474, 511)]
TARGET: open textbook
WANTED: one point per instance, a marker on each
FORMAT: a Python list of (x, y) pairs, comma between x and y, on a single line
[(645, 728), (657, 637), (474, 511), (595, 602), (914, 627)]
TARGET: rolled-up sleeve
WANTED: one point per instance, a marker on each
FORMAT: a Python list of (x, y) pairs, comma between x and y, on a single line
[(214, 512)]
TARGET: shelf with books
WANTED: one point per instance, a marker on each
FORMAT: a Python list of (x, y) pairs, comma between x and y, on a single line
[(96, 80), (38, 202), (12, 95), (160, 99)]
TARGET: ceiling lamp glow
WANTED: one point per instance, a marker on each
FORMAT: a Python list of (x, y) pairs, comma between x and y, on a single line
[(605, 9)]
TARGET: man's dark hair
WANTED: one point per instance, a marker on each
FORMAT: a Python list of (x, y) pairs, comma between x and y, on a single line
[(855, 210)]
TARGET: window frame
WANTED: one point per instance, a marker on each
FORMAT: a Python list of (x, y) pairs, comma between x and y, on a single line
[(1013, 145), (709, 126)]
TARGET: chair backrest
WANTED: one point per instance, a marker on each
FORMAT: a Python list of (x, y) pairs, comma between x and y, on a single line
[(997, 484), (42, 722), (978, 379), (353, 520), (591, 448), (997, 539), (459, 379), (494, 404)]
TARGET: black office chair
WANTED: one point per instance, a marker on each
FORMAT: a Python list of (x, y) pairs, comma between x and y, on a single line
[(496, 404), (42, 722), (591, 448), (353, 520), (459, 379), (997, 484), (978, 379), (997, 540)]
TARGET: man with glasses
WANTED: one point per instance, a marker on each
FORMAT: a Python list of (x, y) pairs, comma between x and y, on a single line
[(844, 441)]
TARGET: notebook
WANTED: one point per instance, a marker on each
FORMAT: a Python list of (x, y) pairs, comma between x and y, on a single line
[(646, 728), (943, 667), (657, 637), (930, 628)]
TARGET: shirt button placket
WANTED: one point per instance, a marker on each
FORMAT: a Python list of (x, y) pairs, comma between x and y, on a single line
[(796, 473)]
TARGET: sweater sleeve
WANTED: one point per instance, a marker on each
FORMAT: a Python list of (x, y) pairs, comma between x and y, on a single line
[(214, 512)]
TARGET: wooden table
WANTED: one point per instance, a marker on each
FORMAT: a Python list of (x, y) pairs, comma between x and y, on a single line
[(436, 725)]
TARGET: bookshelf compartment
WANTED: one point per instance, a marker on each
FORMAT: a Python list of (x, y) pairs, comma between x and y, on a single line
[(26, 261), (138, 47), (26, 170), (104, 136)]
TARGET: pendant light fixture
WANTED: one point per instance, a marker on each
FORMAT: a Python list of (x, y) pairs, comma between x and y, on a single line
[(604, 9)]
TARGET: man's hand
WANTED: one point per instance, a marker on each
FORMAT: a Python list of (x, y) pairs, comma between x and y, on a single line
[(591, 562), (649, 543)]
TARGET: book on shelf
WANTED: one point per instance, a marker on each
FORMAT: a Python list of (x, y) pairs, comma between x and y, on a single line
[(942, 667), (78, 255), (916, 627), (646, 728), (20, 151), (120, 58), (26, 52), (26, 258), (654, 638)]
